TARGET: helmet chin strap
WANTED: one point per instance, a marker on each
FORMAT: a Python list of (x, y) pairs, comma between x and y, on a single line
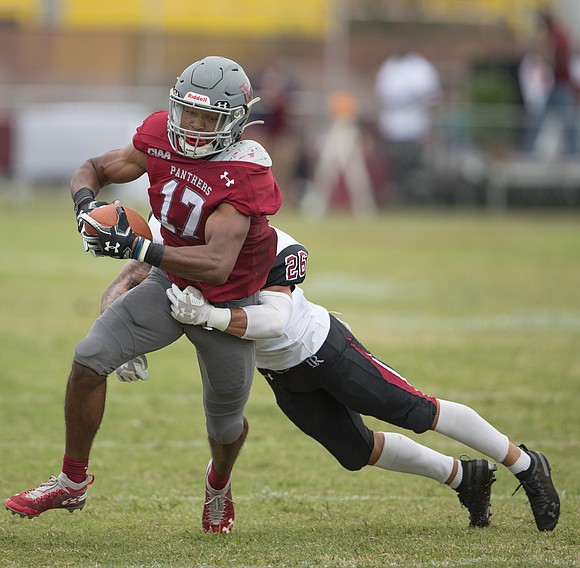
[(201, 151), (195, 151)]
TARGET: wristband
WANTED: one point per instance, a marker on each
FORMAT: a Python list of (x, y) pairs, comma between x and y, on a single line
[(219, 318), (147, 251), (85, 194)]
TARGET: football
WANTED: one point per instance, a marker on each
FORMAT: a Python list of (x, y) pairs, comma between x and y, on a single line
[(107, 216)]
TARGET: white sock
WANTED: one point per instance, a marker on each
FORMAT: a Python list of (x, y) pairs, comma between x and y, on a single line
[(458, 477), (405, 455), (521, 464), (463, 424), (65, 479)]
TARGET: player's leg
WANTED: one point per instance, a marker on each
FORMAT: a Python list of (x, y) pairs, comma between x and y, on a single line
[(343, 433), (319, 415), (218, 511), (223, 456), (365, 384), (372, 387), (531, 468), (396, 452), (138, 322), (471, 479), (227, 369)]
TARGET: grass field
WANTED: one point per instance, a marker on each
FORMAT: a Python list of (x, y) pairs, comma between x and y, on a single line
[(474, 308)]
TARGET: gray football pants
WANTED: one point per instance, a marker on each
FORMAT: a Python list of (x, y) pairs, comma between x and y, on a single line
[(140, 322)]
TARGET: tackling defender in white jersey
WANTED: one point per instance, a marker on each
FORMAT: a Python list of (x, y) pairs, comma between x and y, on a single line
[(324, 379)]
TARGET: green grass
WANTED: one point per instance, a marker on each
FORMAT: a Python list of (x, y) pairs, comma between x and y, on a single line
[(478, 309)]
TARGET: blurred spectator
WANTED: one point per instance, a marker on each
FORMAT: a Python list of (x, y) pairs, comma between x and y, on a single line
[(276, 87), (555, 47), (6, 140), (407, 87), (536, 80)]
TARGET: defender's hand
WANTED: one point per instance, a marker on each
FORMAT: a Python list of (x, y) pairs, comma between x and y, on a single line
[(188, 306), (134, 370)]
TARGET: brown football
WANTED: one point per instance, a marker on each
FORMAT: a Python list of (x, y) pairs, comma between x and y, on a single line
[(107, 216)]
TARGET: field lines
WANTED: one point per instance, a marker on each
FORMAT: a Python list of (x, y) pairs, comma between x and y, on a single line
[(531, 321), (295, 497)]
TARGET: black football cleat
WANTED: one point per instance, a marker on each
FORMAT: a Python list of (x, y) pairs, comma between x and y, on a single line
[(474, 491), (542, 495)]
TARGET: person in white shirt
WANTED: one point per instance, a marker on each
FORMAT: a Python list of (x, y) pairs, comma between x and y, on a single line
[(407, 88)]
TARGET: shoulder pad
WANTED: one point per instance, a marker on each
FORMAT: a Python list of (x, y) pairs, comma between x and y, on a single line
[(289, 266), (245, 151), (284, 240)]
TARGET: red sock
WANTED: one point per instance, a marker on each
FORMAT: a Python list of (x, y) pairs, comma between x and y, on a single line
[(217, 480), (75, 470)]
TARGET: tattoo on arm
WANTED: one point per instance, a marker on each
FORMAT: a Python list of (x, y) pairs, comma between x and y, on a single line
[(132, 274)]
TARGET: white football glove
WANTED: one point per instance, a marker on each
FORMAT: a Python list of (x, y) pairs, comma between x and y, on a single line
[(188, 306), (133, 370)]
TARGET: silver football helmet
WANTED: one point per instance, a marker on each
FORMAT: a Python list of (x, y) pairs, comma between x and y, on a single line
[(209, 107)]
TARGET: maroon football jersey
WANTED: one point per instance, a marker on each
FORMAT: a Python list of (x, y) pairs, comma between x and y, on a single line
[(184, 192)]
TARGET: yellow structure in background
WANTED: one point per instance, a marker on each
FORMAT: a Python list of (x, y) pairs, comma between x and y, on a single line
[(516, 13), (251, 18), (22, 11), (247, 18)]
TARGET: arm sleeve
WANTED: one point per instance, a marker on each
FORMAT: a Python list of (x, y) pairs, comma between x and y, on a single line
[(269, 318)]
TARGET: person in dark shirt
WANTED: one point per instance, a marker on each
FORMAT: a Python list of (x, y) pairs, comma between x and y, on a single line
[(556, 50)]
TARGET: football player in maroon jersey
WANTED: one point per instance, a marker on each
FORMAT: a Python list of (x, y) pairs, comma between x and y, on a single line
[(212, 192)]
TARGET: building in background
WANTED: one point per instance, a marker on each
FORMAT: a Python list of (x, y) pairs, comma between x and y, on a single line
[(72, 51)]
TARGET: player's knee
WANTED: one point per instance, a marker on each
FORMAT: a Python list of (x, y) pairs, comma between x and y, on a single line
[(352, 449), (352, 456), (91, 353), (87, 348), (420, 419), (352, 462), (225, 432)]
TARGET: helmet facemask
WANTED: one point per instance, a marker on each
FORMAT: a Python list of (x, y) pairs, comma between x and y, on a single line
[(222, 125)]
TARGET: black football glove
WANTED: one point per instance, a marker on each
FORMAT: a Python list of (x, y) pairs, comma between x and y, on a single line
[(117, 241), (84, 203)]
